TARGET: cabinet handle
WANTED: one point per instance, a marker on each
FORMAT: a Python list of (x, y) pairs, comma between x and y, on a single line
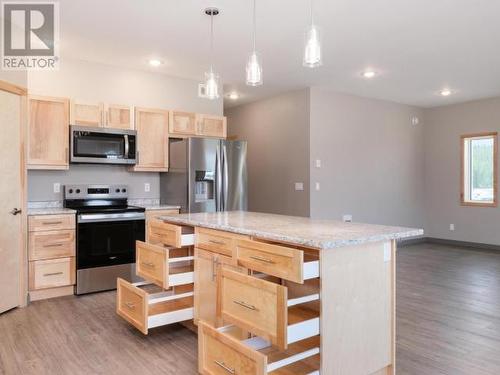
[(53, 274), (53, 245), (223, 365), (130, 305), (246, 305), (262, 259), (51, 222), (217, 242), (148, 264), (214, 268)]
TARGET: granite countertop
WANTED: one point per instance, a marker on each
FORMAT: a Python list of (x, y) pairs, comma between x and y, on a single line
[(50, 211), (321, 234)]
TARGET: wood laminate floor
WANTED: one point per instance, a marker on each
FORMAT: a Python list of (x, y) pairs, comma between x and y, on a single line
[(448, 322)]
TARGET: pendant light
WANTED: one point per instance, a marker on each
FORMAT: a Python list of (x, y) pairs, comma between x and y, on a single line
[(312, 48), (254, 68), (211, 79)]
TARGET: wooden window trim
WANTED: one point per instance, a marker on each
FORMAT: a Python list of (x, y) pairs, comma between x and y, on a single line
[(463, 202)]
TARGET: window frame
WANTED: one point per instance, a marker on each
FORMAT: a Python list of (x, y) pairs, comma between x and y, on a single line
[(463, 201)]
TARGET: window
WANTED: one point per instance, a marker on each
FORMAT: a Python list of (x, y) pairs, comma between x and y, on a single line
[(479, 169)]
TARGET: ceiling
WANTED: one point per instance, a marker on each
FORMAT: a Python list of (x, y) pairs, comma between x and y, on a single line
[(417, 46)]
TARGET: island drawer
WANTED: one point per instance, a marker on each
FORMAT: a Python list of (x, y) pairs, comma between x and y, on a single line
[(219, 353), (51, 244), (167, 234), (262, 307), (217, 241), (281, 261), (51, 222), (163, 266), (148, 310), (52, 273)]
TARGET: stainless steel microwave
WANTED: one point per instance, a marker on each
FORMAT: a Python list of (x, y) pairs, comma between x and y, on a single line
[(102, 146)]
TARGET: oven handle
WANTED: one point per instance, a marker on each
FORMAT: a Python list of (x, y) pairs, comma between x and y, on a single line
[(126, 146), (95, 218)]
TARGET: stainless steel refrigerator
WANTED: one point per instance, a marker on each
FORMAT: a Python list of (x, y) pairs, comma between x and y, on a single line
[(206, 175)]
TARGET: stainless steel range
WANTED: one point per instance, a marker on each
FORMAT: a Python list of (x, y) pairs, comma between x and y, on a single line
[(107, 228)]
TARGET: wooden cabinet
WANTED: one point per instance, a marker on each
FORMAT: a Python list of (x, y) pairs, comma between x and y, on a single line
[(152, 214), (86, 114), (119, 116), (182, 124), (48, 133), (211, 126), (51, 250), (152, 140)]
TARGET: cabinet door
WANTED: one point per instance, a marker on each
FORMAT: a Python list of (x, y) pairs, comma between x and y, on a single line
[(152, 140), (86, 114), (182, 123), (48, 133), (119, 116), (212, 126)]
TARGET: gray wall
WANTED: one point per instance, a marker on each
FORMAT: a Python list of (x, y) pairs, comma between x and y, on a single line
[(443, 127), (93, 82), (277, 130), (372, 160)]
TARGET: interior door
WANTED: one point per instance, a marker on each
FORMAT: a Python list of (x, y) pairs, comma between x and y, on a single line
[(10, 200)]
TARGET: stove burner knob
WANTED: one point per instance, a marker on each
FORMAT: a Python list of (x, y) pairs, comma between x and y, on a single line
[(77, 191), (117, 190), (70, 191), (124, 190)]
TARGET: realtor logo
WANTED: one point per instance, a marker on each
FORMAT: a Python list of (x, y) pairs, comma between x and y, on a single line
[(30, 36)]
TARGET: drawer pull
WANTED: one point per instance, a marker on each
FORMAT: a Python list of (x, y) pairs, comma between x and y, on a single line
[(53, 245), (246, 305), (53, 274), (217, 242), (130, 305), (51, 222), (148, 264), (262, 259), (223, 365)]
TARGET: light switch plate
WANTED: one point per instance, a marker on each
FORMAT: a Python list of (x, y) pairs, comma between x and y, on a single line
[(147, 187), (387, 252), (299, 186), (347, 218), (318, 187), (57, 187), (452, 227), (318, 163)]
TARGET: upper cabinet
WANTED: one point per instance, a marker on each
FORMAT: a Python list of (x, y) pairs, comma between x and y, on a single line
[(152, 140), (86, 114), (48, 133), (182, 123), (119, 117), (211, 126)]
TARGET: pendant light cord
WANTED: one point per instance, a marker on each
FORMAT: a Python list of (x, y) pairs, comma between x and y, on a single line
[(211, 42), (254, 25), (312, 13)]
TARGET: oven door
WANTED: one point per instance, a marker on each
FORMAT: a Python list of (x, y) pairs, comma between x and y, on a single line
[(109, 146), (107, 240)]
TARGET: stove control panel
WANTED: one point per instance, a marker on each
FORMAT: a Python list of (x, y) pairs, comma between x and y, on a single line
[(95, 192)]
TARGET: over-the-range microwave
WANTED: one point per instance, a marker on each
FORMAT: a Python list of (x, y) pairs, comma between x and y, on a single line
[(102, 146)]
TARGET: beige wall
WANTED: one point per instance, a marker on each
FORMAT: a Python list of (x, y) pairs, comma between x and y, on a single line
[(97, 82), (443, 127), (371, 160), (277, 131)]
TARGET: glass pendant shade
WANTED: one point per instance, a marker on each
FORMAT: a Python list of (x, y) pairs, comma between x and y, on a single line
[(211, 85), (312, 50), (254, 70)]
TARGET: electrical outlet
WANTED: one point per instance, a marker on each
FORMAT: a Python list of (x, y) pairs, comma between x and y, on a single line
[(347, 218), (147, 187), (452, 227), (57, 187), (318, 163), (299, 186), (317, 186)]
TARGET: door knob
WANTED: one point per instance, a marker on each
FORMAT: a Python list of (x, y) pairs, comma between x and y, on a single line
[(15, 211)]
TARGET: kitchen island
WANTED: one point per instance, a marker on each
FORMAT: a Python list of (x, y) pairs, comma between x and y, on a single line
[(283, 295)]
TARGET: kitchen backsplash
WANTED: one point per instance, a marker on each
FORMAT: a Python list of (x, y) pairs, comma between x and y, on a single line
[(41, 182)]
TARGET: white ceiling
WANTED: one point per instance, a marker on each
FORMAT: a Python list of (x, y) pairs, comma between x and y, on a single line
[(417, 46)]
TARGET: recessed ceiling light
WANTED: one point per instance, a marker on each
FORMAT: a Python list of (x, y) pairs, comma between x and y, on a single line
[(369, 74), (155, 62), (445, 92), (233, 95)]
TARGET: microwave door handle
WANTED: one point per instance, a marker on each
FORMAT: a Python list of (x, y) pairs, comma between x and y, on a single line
[(127, 146)]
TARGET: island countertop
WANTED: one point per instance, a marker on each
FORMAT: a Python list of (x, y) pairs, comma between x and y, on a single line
[(320, 234)]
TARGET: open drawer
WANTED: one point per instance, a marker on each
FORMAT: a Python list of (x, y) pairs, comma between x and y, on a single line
[(161, 233), (281, 261), (263, 308), (220, 353), (163, 266), (146, 310)]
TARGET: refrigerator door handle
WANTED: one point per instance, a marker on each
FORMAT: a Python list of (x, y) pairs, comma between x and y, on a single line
[(225, 178), (218, 180)]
